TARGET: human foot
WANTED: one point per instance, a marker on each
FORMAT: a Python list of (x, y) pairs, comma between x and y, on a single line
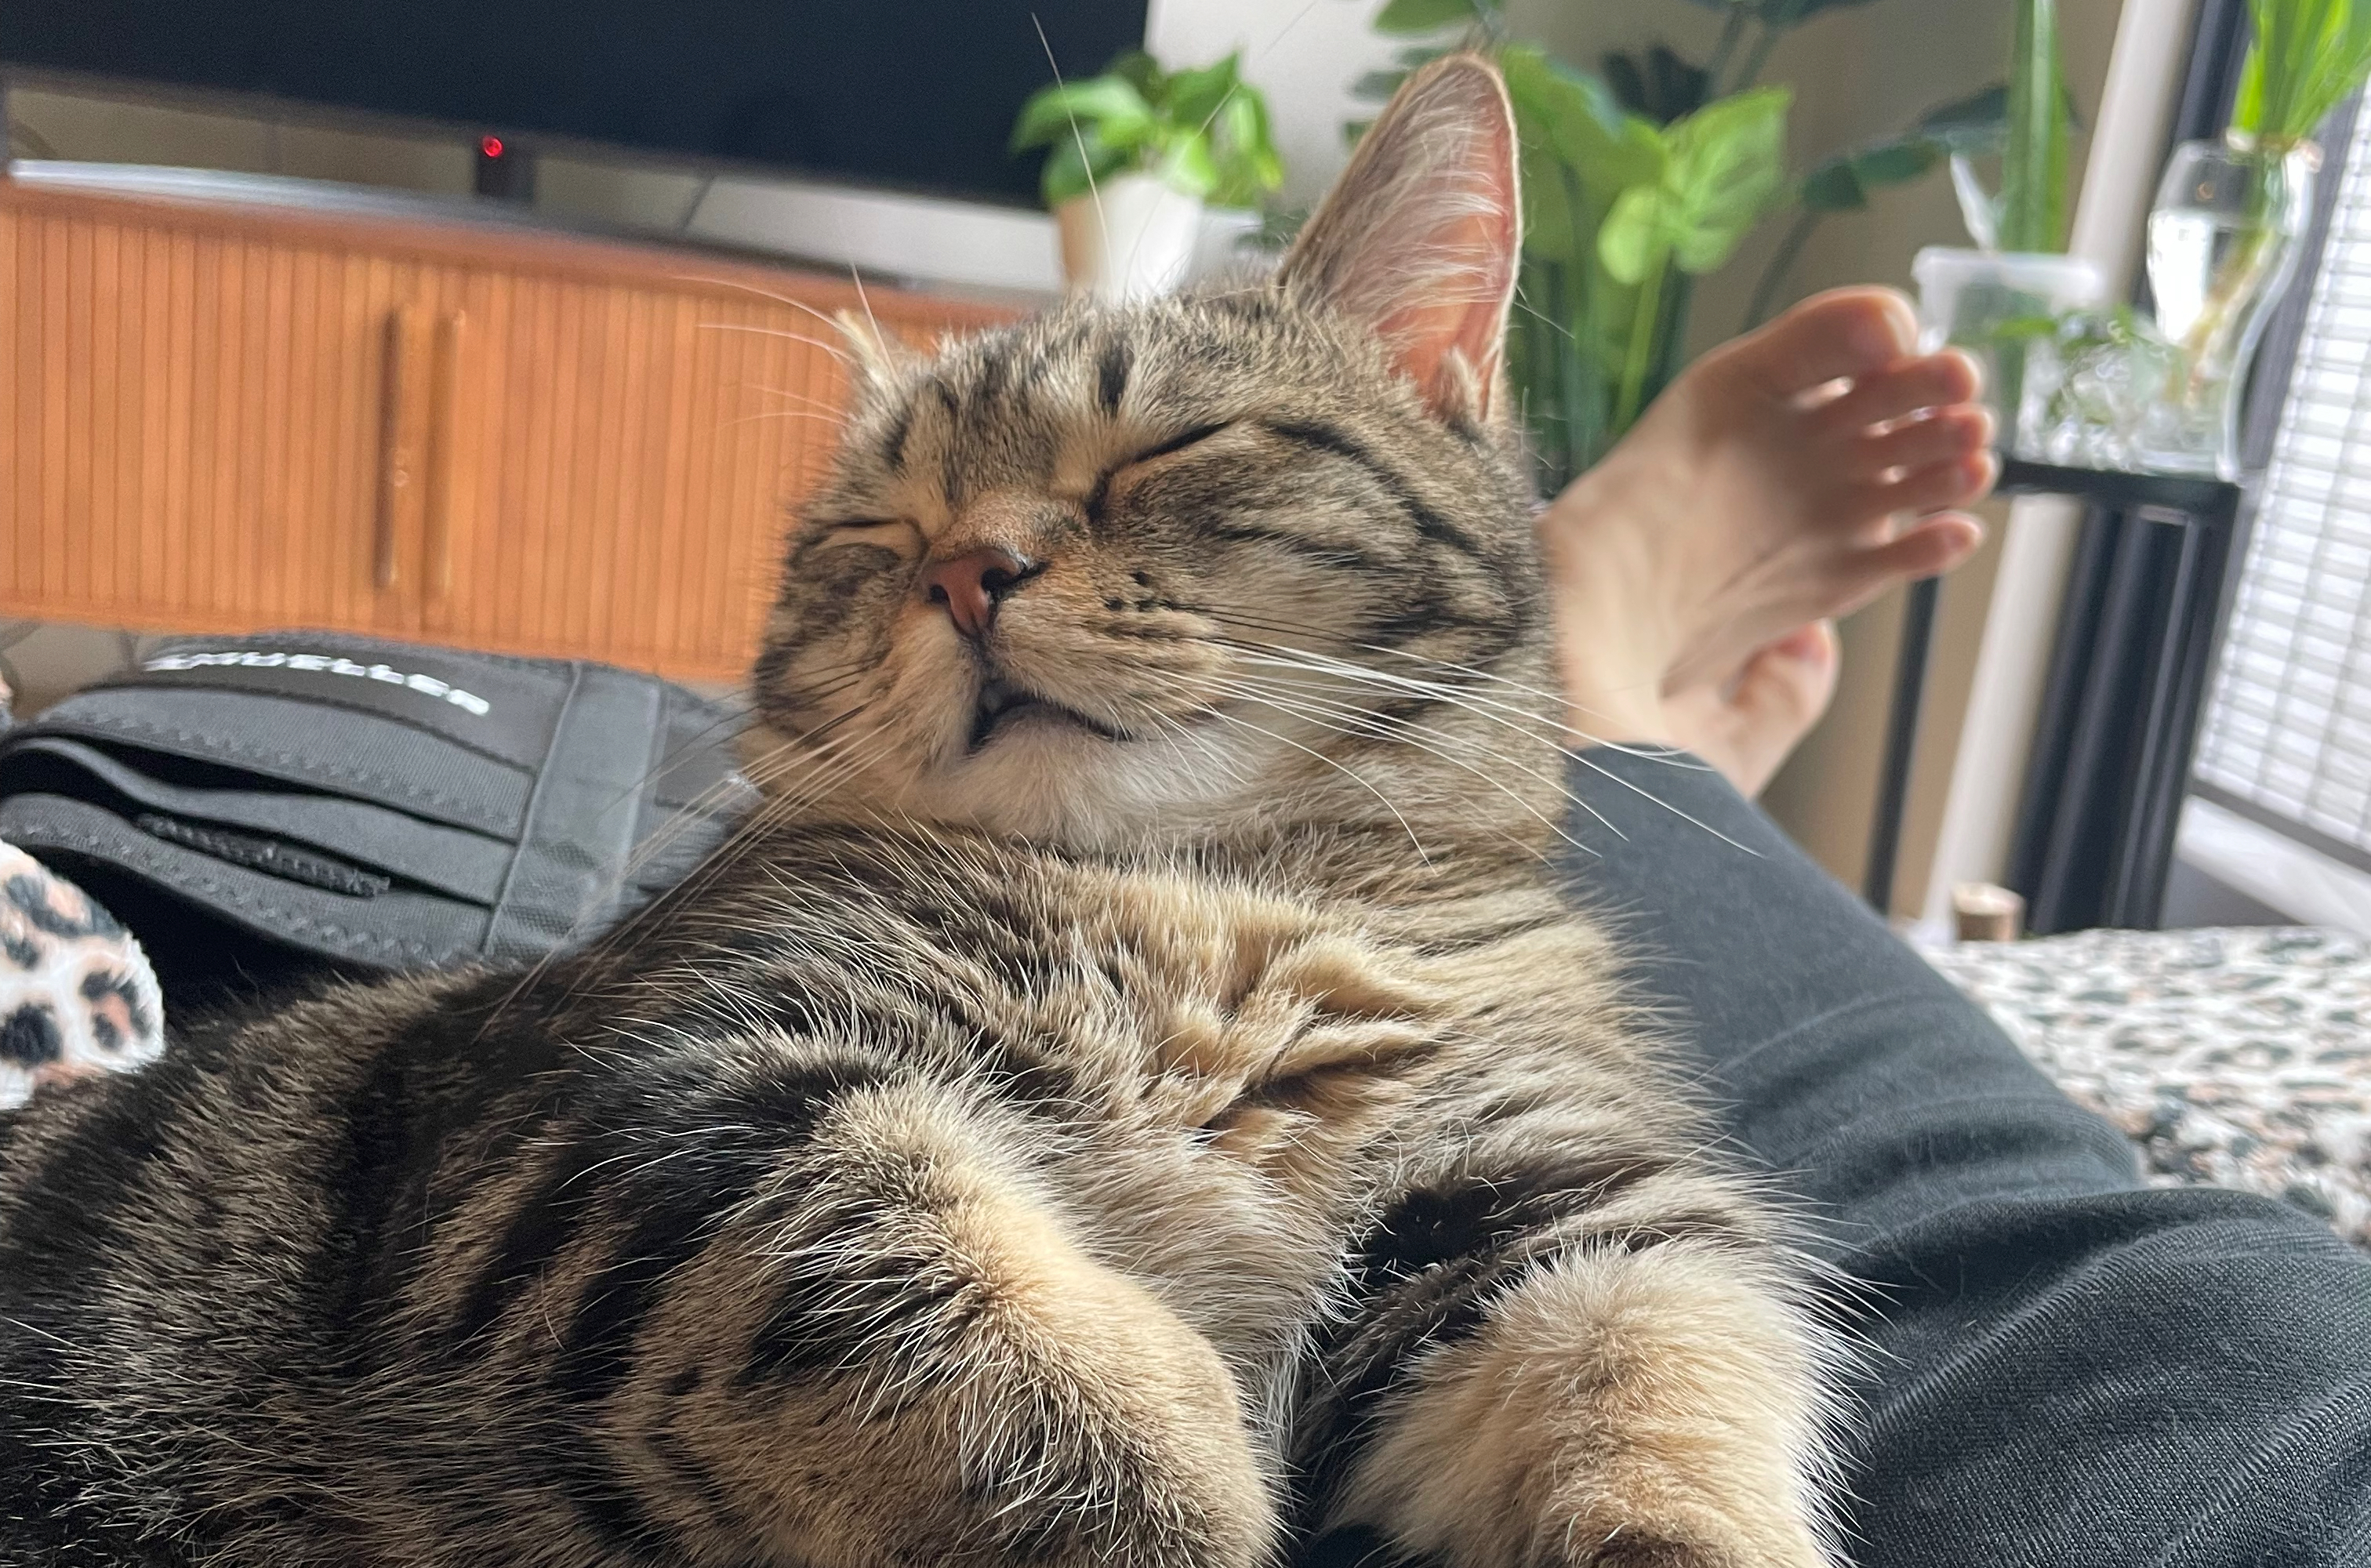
[(1746, 726), (1767, 490)]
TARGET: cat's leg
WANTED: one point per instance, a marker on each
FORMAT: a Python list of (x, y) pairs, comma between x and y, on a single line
[(877, 1340), (1597, 1362)]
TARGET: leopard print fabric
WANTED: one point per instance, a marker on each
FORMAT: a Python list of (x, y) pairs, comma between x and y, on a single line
[(77, 994), (2235, 1058)]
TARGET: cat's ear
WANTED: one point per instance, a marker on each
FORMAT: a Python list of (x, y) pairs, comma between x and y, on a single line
[(1420, 237), (877, 361)]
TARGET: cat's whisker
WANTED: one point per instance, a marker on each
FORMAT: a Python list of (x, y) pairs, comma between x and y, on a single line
[(1304, 660), (1354, 672), (1345, 772), (838, 410), (839, 353), (837, 421), (1657, 753), (771, 811), (749, 288), (1351, 720), (1354, 723), (856, 280), (1086, 164)]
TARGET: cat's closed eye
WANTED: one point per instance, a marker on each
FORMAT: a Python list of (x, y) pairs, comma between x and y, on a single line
[(895, 534)]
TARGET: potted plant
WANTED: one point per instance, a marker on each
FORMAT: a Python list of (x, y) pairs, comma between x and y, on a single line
[(1132, 157), (2002, 297), (2223, 235)]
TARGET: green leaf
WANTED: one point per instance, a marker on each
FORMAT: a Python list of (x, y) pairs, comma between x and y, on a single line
[(1203, 130), (1965, 126), (1834, 187), (1636, 237), (1377, 87), (1897, 163), (1248, 164), (1728, 159), (1112, 107), (1404, 17), (1659, 85), (1843, 183), (1574, 118), (1140, 70), (1196, 96), (2307, 57), (2033, 163), (1190, 167), (1552, 229), (1068, 166)]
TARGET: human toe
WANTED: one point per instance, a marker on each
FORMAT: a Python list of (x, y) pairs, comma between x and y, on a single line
[(1932, 487), (1946, 380), (1939, 436), (1844, 333)]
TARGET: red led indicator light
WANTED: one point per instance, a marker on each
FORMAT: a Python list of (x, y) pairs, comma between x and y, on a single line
[(490, 145)]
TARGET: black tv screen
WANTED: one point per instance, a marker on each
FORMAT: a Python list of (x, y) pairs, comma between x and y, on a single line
[(918, 94)]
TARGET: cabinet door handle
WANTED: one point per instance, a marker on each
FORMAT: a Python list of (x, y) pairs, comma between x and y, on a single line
[(444, 435), (397, 451)]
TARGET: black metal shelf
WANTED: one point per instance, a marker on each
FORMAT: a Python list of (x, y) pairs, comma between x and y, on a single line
[(2168, 704)]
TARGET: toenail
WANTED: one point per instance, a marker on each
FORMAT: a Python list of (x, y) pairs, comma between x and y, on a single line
[(1874, 341)]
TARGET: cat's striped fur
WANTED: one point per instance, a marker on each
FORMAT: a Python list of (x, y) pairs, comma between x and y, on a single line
[(1170, 1123)]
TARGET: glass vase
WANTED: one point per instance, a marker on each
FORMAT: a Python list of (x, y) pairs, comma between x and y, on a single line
[(2223, 244)]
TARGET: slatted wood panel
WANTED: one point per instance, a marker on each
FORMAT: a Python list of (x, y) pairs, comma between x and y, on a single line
[(215, 420)]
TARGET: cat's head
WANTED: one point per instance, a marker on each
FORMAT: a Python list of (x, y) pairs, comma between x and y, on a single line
[(1258, 554)]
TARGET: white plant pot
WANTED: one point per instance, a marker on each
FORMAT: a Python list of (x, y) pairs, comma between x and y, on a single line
[(1133, 238)]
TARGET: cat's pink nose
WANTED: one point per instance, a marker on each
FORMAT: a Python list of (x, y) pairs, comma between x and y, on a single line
[(970, 584)]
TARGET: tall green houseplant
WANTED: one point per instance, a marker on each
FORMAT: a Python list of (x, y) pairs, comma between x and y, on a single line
[(2033, 211), (1634, 185)]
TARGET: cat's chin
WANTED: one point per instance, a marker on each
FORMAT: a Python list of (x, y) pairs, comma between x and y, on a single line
[(1042, 775)]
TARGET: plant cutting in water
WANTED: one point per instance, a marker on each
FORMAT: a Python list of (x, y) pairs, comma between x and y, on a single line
[(1987, 300), (2307, 57)]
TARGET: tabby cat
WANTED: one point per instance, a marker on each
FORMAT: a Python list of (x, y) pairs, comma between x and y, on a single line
[(1131, 1096)]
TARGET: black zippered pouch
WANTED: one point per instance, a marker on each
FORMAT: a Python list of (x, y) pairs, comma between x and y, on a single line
[(259, 807)]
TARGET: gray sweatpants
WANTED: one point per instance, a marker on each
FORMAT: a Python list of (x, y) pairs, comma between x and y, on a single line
[(2069, 1368)]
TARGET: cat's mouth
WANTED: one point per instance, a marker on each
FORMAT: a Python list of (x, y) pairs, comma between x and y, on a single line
[(1004, 704)]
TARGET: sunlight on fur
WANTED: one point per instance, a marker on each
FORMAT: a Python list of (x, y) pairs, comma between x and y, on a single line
[(1130, 1094)]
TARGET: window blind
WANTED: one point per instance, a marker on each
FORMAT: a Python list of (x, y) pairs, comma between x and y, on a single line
[(2287, 737)]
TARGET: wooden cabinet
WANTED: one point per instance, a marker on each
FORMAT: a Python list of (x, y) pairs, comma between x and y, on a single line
[(222, 417)]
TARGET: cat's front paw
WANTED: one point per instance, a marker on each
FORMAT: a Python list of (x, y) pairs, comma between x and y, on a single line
[(935, 1372)]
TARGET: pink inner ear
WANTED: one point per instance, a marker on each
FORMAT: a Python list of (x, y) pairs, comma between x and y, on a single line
[(1470, 328), (1420, 238), (1469, 318)]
